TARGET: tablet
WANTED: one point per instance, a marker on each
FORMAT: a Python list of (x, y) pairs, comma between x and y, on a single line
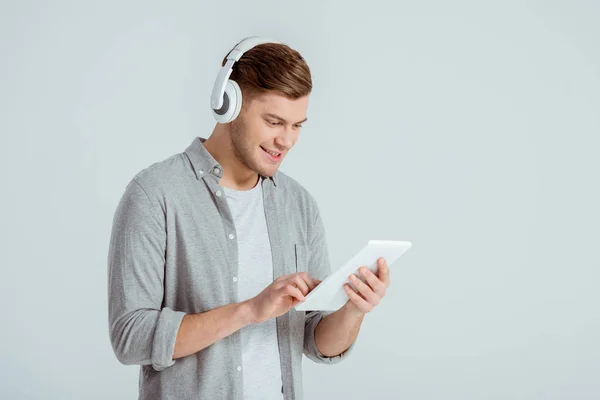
[(329, 295)]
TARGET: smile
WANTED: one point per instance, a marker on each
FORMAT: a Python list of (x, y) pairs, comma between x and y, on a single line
[(272, 154)]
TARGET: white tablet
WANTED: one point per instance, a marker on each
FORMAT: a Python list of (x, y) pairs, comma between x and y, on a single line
[(329, 295)]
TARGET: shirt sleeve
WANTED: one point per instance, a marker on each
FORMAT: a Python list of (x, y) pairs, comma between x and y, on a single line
[(320, 268), (141, 331)]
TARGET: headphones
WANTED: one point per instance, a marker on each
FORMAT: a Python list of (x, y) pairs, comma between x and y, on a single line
[(226, 97)]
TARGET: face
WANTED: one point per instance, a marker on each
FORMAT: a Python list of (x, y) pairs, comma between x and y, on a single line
[(269, 123)]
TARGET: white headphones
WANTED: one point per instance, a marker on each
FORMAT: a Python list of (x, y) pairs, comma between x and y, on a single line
[(226, 97)]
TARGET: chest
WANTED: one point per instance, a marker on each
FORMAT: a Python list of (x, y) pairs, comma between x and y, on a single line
[(212, 248)]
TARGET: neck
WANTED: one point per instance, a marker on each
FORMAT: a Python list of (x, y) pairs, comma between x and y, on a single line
[(236, 175)]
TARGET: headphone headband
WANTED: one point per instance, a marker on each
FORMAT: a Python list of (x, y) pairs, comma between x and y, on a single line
[(216, 98)]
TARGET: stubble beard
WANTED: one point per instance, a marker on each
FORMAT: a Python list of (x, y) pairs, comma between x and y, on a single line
[(242, 150)]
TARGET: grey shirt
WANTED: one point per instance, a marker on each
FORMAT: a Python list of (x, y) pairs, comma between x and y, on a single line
[(173, 250)]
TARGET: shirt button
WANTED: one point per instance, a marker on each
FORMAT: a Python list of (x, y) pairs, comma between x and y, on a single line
[(231, 236), (235, 278), (217, 170), (218, 193), (200, 172), (239, 368)]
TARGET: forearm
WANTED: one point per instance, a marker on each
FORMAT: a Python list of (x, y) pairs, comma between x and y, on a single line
[(337, 331), (198, 331)]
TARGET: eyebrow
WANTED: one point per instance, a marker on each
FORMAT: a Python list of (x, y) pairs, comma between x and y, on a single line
[(283, 120)]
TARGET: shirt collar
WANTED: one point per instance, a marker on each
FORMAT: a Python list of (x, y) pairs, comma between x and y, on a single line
[(204, 163)]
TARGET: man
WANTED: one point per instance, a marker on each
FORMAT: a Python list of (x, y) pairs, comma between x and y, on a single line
[(212, 247)]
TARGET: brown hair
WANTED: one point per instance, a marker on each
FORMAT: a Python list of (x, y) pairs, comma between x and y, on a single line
[(272, 67)]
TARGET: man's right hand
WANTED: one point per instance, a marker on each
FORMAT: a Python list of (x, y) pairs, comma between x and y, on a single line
[(281, 295)]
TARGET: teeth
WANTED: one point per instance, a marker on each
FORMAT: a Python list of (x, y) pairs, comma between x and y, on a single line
[(271, 153)]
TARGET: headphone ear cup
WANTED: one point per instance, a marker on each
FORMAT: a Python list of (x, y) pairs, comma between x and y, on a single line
[(237, 103), (232, 103)]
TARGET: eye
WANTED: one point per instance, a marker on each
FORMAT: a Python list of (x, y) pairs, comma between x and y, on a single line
[(274, 123), (297, 126)]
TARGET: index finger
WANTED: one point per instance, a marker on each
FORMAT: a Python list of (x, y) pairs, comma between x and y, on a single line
[(310, 281)]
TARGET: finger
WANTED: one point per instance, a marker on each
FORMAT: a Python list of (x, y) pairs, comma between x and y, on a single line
[(361, 303), (290, 290), (375, 282), (294, 292), (300, 284), (365, 290), (310, 281), (282, 278), (383, 271)]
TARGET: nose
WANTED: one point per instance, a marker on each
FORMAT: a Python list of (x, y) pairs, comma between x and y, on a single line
[(284, 140)]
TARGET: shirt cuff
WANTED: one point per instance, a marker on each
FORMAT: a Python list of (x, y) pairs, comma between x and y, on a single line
[(310, 347), (165, 335)]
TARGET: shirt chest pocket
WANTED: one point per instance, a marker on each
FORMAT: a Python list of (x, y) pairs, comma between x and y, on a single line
[(301, 256)]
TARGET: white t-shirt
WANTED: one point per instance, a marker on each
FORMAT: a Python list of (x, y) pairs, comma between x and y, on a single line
[(260, 352)]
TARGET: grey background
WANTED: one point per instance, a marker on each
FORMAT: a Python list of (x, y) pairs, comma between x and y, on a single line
[(469, 128)]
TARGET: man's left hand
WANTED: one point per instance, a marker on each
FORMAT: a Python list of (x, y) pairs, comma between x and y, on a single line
[(369, 294)]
